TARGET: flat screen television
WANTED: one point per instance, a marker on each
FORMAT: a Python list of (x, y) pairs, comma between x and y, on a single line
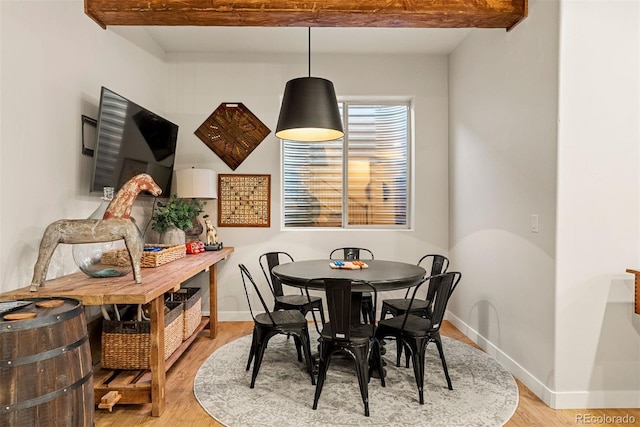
[(131, 140)]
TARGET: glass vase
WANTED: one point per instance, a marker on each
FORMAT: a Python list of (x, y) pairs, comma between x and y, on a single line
[(103, 259)]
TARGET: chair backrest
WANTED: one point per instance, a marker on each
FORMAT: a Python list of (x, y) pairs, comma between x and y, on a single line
[(339, 295), (350, 254), (446, 284), (439, 264), (267, 262), (246, 276)]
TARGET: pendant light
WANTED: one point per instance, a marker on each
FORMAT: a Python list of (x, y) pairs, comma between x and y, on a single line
[(309, 109)]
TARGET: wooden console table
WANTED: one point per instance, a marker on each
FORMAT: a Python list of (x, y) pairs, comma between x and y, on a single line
[(123, 290), (637, 289)]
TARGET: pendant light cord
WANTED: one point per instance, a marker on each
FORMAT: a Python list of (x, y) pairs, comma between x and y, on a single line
[(309, 50)]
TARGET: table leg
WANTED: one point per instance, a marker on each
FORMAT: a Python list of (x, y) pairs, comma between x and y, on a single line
[(158, 374), (213, 301)]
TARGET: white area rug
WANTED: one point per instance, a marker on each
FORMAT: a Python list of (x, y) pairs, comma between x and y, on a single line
[(484, 393)]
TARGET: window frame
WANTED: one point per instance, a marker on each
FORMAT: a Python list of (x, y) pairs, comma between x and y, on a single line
[(410, 176)]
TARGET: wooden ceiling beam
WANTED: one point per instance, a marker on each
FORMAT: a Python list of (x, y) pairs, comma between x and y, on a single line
[(305, 13)]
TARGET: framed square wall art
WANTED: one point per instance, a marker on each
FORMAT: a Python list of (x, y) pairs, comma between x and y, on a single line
[(244, 200)]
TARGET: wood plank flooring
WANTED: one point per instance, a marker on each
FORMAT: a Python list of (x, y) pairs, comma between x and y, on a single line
[(183, 410)]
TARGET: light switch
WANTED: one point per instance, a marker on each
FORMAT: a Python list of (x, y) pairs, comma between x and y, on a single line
[(534, 223)]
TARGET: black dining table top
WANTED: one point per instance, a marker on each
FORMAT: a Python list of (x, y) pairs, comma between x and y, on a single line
[(383, 275)]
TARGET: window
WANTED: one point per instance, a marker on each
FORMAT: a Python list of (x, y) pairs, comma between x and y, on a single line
[(358, 181)]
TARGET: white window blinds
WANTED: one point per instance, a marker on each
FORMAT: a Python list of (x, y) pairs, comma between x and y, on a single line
[(374, 158)]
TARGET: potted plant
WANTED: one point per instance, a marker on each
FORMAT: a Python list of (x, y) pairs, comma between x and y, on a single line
[(170, 219)]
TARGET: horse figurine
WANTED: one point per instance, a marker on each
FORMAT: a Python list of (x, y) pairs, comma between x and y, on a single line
[(116, 224), (212, 235)]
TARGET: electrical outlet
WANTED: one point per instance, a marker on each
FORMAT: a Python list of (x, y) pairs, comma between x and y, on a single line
[(534, 223)]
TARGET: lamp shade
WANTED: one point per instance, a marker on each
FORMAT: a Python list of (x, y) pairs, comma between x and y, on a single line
[(196, 184), (309, 111)]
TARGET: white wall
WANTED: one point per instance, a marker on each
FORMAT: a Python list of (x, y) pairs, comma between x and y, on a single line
[(199, 84), (556, 307), (503, 97), (54, 59), (597, 333)]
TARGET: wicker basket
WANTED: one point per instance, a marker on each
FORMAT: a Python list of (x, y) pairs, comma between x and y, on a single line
[(190, 298), (126, 344), (168, 253)]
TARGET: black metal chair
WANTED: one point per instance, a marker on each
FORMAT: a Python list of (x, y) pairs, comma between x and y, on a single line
[(434, 264), (351, 254), (280, 300), (341, 335), (271, 323), (415, 332)]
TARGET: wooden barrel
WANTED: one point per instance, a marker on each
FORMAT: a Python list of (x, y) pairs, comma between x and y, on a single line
[(46, 376)]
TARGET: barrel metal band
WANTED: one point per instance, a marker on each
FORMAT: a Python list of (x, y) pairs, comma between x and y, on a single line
[(47, 397), (44, 355), (40, 322)]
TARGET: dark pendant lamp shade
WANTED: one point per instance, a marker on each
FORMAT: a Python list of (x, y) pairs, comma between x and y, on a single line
[(309, 111)]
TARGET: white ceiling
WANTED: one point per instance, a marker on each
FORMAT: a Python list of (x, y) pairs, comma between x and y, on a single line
[(184, 39)]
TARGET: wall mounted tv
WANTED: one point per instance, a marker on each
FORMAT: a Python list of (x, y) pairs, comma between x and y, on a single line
[(131, 140)]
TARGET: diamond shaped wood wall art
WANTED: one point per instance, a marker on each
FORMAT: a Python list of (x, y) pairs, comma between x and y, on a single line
[(232, 131)]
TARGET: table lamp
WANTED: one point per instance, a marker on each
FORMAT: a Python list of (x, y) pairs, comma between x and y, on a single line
[(196, 184)]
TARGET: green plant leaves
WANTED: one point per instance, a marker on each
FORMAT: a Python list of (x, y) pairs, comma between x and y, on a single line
[(176, 211)]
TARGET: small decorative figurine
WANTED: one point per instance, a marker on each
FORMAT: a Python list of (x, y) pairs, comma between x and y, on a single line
[(212, 236), (115, 225)]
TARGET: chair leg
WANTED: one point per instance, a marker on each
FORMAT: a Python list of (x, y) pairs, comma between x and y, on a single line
[(256, 365), (444, 363), (362, 370), (325, 358), (399, 346), (252, 351), (376, 363), (367, 312), (298, 343), (306, 346), (418, 349), (261, 345), (406, 356)]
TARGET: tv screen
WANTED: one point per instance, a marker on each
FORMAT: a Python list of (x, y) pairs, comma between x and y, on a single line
[(131, 140)]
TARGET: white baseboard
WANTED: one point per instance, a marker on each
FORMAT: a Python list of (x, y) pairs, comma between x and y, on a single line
[(537, 387), (554, 399)]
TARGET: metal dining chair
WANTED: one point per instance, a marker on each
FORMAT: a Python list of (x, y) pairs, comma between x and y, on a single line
[(416, 332), (352, 254), (341, 335), (434, 264), (271, 323), (281, 301)]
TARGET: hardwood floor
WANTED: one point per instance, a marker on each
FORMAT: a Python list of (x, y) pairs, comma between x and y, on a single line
[(184, 410)]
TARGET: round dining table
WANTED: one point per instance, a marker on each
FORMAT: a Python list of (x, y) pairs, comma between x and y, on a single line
[(382, 275)]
